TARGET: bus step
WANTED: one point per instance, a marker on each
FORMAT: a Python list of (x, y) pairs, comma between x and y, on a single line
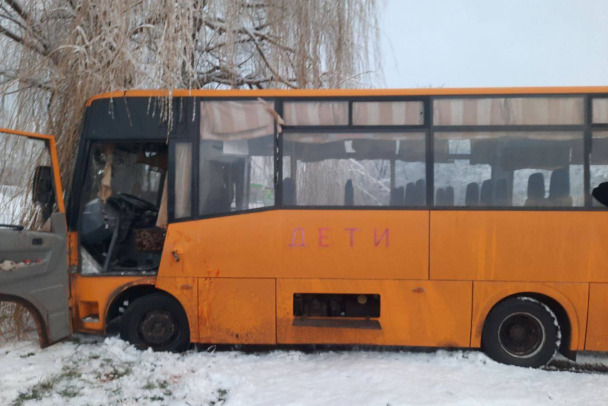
[(93, 318)]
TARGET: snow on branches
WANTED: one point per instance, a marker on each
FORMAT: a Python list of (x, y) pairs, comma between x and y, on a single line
[(58, 53)]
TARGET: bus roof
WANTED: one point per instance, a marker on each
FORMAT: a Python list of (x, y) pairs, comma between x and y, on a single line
[(347, 92)]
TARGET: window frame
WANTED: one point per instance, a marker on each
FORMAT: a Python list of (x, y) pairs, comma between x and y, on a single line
[(360, 130), (192, 133), (513, 96), (473, 130), (78, 199), (420, 128), (354, 99), (171, 186), (585, 128), (85, 164), (427, 127), (50, 149)]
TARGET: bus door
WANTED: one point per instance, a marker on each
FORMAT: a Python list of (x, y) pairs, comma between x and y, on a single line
[(33, 248)]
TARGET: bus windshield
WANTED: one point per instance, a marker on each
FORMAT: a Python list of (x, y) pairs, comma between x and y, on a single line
[(124, 216)]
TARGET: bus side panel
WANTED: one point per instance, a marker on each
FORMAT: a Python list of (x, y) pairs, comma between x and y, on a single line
[(350, 244), (416, 313), (573, 297), (556, 246), (237, 311), (597, 328), (185, 290), (361, 244)]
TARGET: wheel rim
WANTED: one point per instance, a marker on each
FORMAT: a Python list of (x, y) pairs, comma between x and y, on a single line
[(157, 327), (521, 335)]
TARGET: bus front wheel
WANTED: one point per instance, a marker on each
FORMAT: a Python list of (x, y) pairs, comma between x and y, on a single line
[(156, 321), (521, 331)]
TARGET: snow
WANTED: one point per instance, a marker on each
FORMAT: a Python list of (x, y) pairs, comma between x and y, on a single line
[(111, 372)]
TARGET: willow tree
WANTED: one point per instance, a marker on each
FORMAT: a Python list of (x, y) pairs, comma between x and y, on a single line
[(58, 53)]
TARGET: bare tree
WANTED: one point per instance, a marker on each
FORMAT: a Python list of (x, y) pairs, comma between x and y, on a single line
[(58, 53)]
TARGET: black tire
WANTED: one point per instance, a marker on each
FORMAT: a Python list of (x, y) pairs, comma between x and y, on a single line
[(156, 321), (521, 331)]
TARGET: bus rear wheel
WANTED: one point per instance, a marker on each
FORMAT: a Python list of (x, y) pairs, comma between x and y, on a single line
[(156, 321), (521, 331)]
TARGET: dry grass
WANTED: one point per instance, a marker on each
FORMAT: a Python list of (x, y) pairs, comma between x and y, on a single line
[(16, 323)]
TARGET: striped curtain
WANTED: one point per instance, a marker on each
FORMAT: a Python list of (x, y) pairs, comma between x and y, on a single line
[(236, 120), (315, 113), (509, 111), (388, 113)]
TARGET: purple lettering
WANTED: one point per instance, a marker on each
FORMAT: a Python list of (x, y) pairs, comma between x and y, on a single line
[(377, 240), (323, 236), (351, 231), (294, 238)]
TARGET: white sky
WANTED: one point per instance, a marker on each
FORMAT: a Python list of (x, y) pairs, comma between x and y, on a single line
[(478, 43)]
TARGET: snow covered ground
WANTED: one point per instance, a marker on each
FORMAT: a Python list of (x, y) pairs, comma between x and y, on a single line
[(111, 372)]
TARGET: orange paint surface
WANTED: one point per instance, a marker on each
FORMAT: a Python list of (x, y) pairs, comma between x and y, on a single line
[(551, 246), (56, 175), (72, 248), (97, 293), (301, 244), (597, 329), (237, 311), (572, 297), (417, 313), (347, 92), (319, 251)]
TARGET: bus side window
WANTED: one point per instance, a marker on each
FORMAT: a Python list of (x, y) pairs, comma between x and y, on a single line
[(236, 167), (360, 170), (510, 169)]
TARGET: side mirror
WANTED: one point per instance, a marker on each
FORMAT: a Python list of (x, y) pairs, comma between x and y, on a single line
[(43, 190), (601, 193)]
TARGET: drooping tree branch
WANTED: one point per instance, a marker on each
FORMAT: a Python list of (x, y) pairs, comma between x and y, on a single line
[(58, 53)]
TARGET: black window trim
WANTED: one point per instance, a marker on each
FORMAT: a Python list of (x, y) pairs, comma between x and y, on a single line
[(427, 127)]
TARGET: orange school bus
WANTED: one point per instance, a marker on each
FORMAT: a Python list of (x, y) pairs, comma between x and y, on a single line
[(426, 217)]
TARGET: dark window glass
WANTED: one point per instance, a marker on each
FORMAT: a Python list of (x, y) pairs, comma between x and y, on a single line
[(346, 169), (534, 169)]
